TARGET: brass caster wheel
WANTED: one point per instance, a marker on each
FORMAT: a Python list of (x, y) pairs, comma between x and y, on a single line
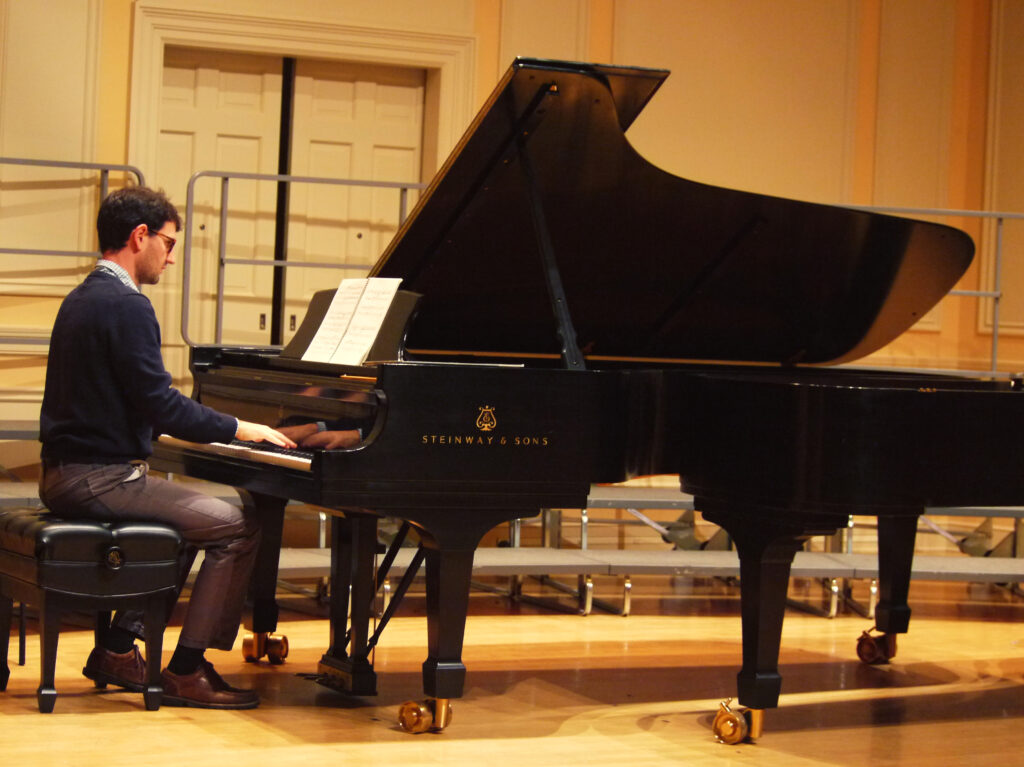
[(253, 647), (277, 649), (735, 726), (442, 714), (415, 716), (257, 645), (875, 650), (433, 715)]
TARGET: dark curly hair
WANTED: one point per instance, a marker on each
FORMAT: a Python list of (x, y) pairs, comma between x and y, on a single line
[(125, 209)]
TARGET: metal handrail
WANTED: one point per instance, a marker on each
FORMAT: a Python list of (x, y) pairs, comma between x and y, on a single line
[(223, 261), (103, 167), (105, 170)]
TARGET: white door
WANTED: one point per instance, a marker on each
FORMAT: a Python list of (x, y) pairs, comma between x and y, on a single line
[(358, 122), (221, 111)]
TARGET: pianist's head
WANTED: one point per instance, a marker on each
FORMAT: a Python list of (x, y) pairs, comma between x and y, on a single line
[(141, 221)]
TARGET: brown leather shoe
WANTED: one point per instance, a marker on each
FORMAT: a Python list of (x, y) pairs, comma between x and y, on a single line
[(204, 688), (126, 669)]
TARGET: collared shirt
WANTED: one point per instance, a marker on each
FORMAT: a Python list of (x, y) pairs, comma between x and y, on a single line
[(118, 271)]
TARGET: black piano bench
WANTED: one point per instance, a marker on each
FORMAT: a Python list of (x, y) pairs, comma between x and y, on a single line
[(59, 566)]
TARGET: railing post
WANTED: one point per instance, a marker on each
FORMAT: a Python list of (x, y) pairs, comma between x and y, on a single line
[(997, 289), (221, 255), (186, 259)]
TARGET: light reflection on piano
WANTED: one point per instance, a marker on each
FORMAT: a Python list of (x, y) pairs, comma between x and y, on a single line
[(248, 451)]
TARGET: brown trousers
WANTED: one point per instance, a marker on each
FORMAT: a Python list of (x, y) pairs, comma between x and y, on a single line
[(227, 536)]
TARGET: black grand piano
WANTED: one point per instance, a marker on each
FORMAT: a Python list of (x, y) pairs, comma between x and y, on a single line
[(586, 317)]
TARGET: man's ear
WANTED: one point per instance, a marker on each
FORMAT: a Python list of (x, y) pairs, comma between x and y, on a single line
[(137, 238)]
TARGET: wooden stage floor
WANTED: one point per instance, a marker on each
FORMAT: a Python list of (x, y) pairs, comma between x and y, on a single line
[(554, 689)]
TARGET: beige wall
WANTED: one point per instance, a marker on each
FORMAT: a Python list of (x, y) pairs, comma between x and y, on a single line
[(899, 102)]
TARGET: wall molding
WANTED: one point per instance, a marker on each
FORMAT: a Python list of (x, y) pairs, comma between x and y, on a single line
[(39, 276), (4, 48), (993, 164), (21, 404), (35, 332), (21, 395), (448, 57)]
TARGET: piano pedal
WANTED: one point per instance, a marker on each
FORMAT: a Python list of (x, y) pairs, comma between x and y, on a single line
[(255, 646), (433, 715), (732, 726), (876, 650)]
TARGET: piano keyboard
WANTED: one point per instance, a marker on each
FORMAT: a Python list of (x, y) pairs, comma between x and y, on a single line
[(260, 452)]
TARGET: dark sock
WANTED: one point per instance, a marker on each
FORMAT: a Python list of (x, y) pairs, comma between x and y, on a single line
[(116, 639), (185, 660)]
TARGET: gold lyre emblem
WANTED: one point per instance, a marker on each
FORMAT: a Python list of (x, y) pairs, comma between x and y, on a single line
[(486, 420)]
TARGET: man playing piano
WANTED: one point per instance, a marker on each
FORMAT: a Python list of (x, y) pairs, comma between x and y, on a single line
[(107, 391)]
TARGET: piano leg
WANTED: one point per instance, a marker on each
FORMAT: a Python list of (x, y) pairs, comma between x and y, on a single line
[(896, 536), (448, 576), (449, 569), (261, 612), (346, 665), (895, 557), (766, 549)]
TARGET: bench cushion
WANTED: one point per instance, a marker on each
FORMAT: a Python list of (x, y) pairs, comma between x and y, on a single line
[(82, 557)]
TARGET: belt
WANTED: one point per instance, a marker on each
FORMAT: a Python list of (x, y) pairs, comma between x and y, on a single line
[(56, 463)]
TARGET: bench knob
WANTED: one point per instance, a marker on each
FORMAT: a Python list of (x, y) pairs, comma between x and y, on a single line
[(114, 558)]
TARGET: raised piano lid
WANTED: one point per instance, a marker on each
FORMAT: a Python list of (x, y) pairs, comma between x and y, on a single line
[(653, 265)]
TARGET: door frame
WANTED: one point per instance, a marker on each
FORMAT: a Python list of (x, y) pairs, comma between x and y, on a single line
[(448, 59)]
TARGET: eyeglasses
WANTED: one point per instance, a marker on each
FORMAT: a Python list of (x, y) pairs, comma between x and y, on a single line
[(170, 242)]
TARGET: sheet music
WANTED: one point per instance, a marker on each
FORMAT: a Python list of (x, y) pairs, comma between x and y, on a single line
[(353, 320)]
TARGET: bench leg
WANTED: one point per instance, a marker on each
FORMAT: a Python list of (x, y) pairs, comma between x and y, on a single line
[(21, 633), (6, 612), (156, 619), (49, 632)]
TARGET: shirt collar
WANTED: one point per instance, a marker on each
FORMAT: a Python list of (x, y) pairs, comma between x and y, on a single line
[(118, 271)]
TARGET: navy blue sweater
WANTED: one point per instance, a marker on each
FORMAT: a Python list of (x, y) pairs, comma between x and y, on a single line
[(107, 389)]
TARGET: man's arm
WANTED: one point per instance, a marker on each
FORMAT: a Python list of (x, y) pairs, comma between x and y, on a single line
[(138, 362)]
